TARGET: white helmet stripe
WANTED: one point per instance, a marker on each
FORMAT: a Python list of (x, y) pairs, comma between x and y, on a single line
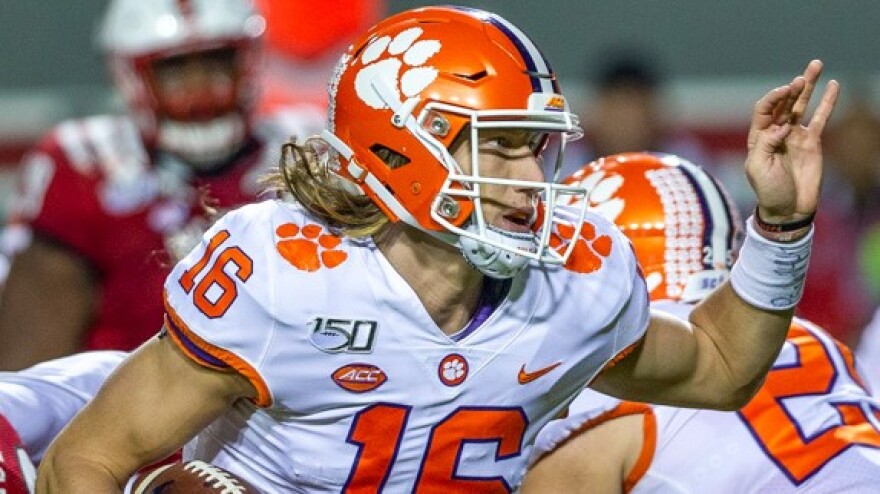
[(718, 231)]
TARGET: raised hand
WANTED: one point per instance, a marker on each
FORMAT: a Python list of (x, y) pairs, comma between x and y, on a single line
[(784, 163)]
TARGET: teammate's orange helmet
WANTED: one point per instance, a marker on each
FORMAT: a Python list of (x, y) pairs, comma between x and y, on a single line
[(683, 225)]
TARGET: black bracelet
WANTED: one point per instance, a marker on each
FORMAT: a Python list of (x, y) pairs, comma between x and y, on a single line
[(783, 227)]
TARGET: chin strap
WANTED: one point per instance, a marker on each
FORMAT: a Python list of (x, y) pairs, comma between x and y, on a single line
[(493, 261)]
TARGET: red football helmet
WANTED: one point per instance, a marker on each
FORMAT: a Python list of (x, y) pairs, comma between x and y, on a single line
[(187, 70), (410, 86), (684, 227)]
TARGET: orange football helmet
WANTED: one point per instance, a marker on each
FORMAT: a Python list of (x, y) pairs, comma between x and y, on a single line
[(410, 86), (684, 227)]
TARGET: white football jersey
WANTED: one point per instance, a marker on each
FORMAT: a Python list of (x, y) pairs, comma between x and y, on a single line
[(40, 400), (868, 354), (811, 428), (359, 390)]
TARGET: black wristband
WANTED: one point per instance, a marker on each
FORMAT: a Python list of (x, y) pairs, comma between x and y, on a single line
[(783, 227)]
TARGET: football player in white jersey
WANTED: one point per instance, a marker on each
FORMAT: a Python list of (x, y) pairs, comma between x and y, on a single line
[(812, 427), (428, 301)]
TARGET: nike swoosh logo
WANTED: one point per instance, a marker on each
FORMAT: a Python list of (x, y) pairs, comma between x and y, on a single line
[(527, 377)]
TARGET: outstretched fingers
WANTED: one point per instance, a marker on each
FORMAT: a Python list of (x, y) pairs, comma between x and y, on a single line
[(811, 76), (826, 106), (766, 110), (782, 114)]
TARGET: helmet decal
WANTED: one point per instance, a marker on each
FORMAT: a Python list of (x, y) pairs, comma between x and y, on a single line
[(403, 51), (684, 228)]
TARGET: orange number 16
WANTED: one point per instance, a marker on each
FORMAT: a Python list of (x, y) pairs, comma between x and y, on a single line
[(378, 430), (216, 277)]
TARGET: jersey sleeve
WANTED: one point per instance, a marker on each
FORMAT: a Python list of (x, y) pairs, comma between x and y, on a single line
[(56, 198), (632, 320), (218, 299)]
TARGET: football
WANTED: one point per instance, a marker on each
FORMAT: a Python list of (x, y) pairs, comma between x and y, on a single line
[(192, 477)]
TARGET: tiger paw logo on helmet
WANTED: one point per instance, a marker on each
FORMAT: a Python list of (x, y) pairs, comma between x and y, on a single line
[(385, 57), (589, 250), (308, 248), (601, 191)]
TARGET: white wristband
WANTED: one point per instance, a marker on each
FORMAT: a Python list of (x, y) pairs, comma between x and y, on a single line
[(770, 275)]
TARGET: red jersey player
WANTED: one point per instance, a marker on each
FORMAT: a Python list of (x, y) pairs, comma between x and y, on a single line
[(108, 202)]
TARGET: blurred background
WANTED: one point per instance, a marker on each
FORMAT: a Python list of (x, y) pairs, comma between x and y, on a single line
[(678, 76)]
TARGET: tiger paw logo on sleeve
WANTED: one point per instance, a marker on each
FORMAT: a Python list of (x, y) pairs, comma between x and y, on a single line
[(309, 248), (589, 251)]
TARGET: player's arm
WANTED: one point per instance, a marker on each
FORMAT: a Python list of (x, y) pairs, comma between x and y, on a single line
[(721, 356), (716, 360), (51, 292), (151, 405), (29, 333), (595, 461)]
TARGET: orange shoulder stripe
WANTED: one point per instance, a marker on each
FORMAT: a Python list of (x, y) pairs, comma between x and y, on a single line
[(623, 409), (620, 356), (264, 397)]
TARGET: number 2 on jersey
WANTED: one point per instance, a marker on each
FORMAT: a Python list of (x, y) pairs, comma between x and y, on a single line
[(778, 431), (215, 303)]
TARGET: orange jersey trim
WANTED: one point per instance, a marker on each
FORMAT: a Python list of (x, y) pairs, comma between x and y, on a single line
[(620, 356), (172, 329), (623, 409), (264, 397), (649, 445)]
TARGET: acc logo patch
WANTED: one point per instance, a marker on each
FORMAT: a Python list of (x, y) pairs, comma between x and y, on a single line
[(359, 378)]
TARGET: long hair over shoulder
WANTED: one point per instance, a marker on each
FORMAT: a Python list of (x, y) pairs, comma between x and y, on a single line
[(305, 172)]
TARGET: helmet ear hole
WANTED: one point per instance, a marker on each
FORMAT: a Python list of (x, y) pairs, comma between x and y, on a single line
[(390, 157)]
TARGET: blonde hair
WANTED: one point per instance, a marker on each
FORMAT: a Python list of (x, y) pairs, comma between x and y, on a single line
[(304, 172)]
